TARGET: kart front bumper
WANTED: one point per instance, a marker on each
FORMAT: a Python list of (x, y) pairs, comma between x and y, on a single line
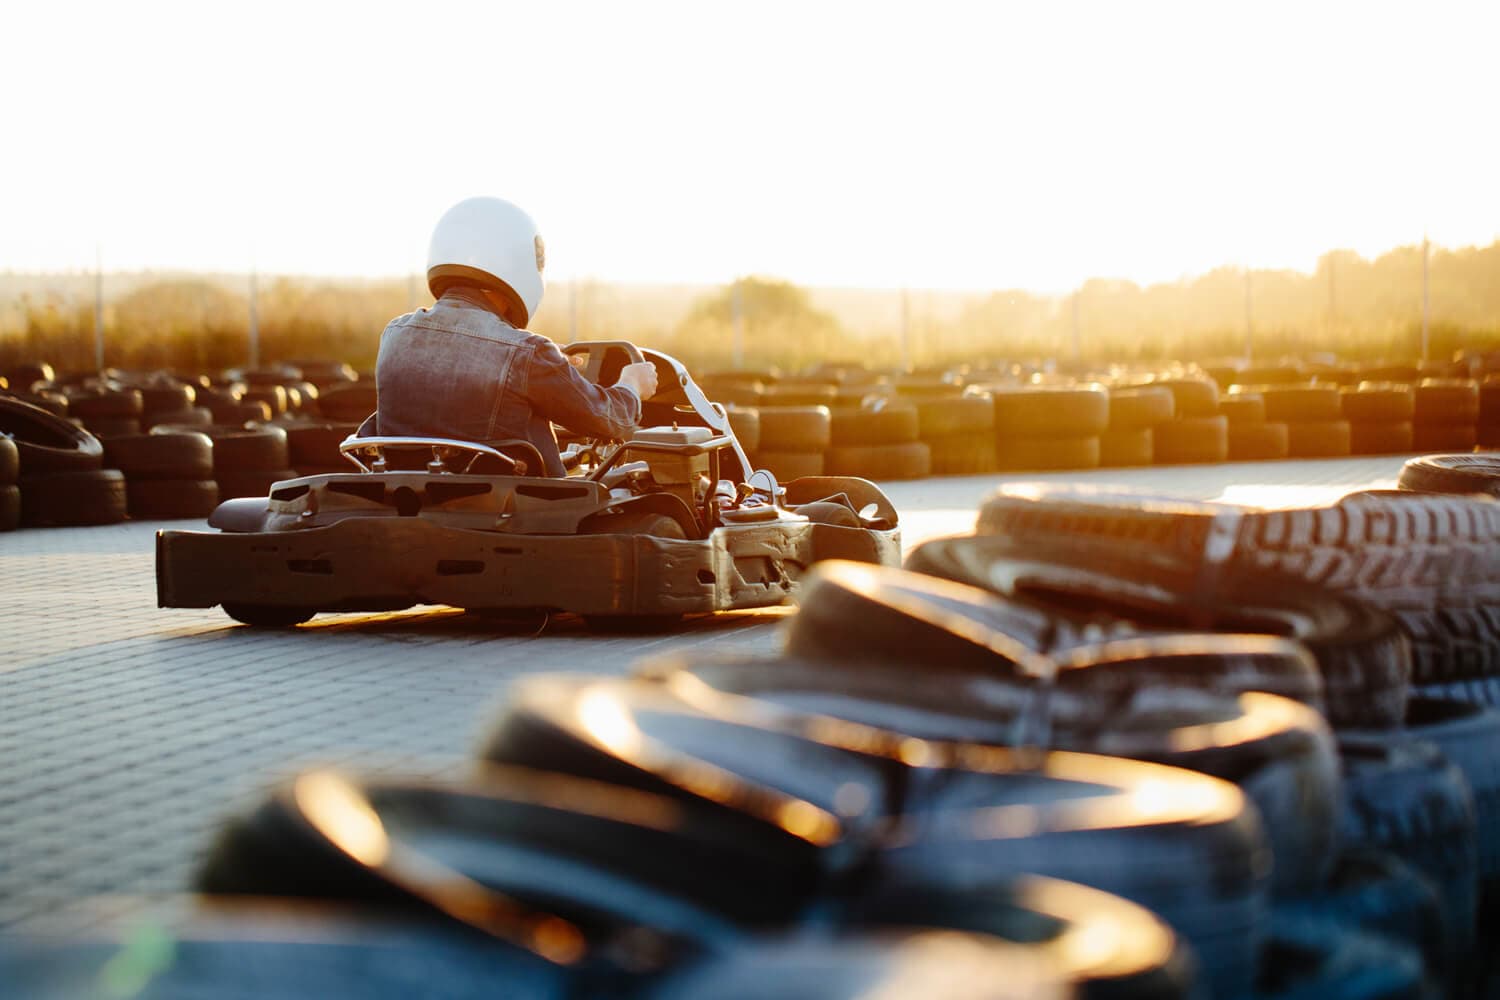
[(384, 564)]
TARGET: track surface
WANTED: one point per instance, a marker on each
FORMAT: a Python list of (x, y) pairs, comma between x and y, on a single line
[(128, 731)]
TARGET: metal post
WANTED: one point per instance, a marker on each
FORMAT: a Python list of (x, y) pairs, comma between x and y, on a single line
[(98, 308), (1333, 306), (573, 311), (1077, 333), (737, 323), (254, 326), (905, 330), (1249, 316), (1426, 312)]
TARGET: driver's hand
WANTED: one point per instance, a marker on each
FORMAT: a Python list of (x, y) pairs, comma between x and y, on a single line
[(641, 377)]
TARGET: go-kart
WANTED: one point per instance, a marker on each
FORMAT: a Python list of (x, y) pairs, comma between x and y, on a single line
[(669, 522)]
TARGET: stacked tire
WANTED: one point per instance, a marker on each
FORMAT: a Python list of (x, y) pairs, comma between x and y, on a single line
[(1314, 418), (247, 460), (1445, 415), (58, 472), (877, 441), (1134, 414), (793, 440), (168, 474), (1042, 428), (1380, 417), (959, 432), (1197, 433), (10, 493), (1252, 438)]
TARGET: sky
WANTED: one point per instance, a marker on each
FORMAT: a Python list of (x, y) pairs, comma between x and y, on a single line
[(923, 145)]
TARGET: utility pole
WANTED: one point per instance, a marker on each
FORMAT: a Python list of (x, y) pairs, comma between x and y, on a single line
[(98, 308), (1333, 307), (573, 311), (905, 330), (1249, 315), (737, 323), (1077, 327), (254, 324), (1426, 312)]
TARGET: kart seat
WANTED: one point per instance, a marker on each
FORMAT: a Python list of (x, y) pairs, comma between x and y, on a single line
[(509, 457)]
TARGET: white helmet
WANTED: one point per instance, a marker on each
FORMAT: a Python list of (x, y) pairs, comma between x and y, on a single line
[(491, 243)]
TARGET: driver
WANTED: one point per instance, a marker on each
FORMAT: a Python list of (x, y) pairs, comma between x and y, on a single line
[(466, 368)]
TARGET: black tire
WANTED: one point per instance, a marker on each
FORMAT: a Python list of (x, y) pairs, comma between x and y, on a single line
[(170, 499), (1126, 448), (1466, 473), (542, 843), (251, 483), (268, 615), (861, 613), (274, 396), (1243, 408), (317, 444), (1140, 957), (1140, 407), (1444, 437), (1192, 397), (1375, 892), (894, 423), (1446, 401), (1191, 440), (634, 522), (910, 962), (349, 401), (107, 404), (1377, 403), (243, 450), (106, 428), (1302, 404), (54, 403), (161, 456), (1281, 754), (1318, 439), (789, 465), (195, 416), (10, 508), (911, 460), (745, 423), (59, 499), (10, 461), (954, 415), (798, 394), (1469, 737), (1264, 442), (796, 429), (1022, 412), (1370, 438), (46, 442), (1362, 655), (1308, 958), (970, 454), (1402, 796), (1431, 560), (1042, 454)]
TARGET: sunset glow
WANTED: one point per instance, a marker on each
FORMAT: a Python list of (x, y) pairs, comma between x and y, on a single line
[(946, 145)]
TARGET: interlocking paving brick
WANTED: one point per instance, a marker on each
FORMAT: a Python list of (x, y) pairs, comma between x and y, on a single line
[(127, 732)]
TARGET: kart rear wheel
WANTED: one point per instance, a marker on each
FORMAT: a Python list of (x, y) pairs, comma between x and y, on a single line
[(268, 615), (636, 523)]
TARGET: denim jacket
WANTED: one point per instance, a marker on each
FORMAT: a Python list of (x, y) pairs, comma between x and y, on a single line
[(458, 370)]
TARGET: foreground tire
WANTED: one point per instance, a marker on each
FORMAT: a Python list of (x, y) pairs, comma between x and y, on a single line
[(1362, 655), (1432, 561), (1476, 473)]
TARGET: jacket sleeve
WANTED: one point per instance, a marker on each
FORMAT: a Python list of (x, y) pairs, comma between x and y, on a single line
[(559, 392)]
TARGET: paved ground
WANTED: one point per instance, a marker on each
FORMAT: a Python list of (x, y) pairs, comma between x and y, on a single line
[(127, 731)]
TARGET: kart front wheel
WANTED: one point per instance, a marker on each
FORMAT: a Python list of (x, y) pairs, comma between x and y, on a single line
[(268, 615)]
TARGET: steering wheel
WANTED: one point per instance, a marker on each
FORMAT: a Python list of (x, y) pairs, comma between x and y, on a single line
[(605, 360)]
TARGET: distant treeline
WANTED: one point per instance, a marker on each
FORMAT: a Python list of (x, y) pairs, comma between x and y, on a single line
[(1352, 307)]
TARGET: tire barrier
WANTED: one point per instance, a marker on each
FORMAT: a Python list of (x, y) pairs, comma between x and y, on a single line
[(1430, 560)]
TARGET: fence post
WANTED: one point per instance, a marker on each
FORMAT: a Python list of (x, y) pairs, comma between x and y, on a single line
[(98, 308)]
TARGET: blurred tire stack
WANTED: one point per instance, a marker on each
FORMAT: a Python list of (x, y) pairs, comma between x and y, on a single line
[(1047, 427), (1197, 433), (1380, 417)]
